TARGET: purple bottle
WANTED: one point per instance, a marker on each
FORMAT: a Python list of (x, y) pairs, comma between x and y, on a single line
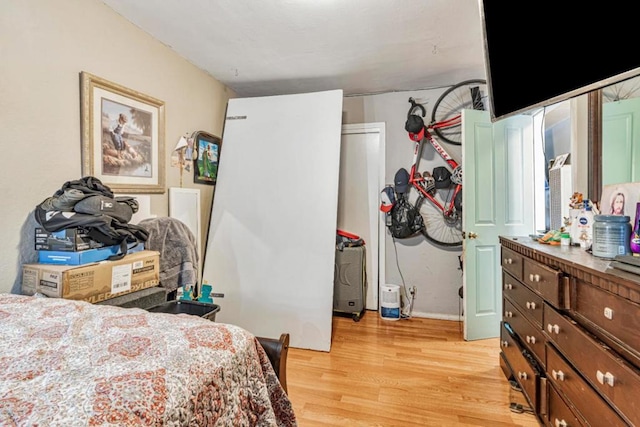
[(634, 242)]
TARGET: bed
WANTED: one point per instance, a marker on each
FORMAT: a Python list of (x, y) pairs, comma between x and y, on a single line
[(71, 363)]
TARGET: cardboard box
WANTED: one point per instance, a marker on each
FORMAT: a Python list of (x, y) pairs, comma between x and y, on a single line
[(83, 257), (69, 239), (93, 282)]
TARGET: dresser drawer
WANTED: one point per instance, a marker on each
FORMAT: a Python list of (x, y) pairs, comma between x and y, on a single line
[(559, 412), (523, 368), (587, 402), (546, 282), (530, 334), (528, 301), (512, 262), (618, 317), (616, 380)]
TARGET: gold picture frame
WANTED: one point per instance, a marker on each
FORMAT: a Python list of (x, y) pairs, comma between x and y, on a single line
[(122, 136)]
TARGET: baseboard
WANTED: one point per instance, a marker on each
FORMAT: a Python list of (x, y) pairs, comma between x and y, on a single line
[(437, 316)]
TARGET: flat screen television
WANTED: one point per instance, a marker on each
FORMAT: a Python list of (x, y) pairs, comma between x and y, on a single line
[(538, 54)]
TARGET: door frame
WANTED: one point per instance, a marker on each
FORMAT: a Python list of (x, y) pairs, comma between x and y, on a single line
[(380, 129)]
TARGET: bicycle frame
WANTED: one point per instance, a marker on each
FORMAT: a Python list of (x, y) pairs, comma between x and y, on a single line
[(418, 181)]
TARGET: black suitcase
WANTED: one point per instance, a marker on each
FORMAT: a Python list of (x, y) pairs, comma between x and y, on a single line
[(350, 282)]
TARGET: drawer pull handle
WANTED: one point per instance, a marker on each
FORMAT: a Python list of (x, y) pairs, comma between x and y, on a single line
[(508, 286), (557, 375), (531, 339), (508, 314), (505, 344), (553, 328), (531, 305), (561, 423), (508, 261), (606, 378), (522, 375)]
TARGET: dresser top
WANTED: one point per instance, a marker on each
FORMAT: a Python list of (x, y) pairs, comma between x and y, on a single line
[(575, 261)]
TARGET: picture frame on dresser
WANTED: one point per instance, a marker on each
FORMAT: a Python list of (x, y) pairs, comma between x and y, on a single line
[(122, 136)]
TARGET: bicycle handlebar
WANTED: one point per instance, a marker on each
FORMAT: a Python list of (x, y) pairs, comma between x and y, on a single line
[(415, 105)]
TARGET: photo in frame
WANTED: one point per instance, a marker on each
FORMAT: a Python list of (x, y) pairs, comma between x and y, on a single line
[(122, 136), (206, 157), (620, 199)]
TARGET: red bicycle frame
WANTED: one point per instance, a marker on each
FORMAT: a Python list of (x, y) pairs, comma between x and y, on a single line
[(420, 182)]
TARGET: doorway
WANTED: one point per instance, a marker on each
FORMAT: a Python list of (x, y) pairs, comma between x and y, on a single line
[(362, 169)]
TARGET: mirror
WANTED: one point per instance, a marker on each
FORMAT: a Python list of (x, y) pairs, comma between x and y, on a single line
[(614, 135)]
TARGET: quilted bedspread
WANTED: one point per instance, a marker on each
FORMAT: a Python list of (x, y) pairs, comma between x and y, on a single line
[(70, 363)]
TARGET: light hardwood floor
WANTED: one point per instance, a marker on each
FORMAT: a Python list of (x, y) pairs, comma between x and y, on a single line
[(413, 372)]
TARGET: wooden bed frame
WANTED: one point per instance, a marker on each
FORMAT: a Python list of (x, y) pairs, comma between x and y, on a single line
[(277, 350)]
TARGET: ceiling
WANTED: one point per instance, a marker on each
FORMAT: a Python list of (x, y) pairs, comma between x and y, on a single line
[(277, 47)]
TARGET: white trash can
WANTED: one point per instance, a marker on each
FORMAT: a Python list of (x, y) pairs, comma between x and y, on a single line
[(390, 302)]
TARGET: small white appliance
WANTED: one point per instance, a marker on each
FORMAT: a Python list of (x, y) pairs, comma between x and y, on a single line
[(390, 302)]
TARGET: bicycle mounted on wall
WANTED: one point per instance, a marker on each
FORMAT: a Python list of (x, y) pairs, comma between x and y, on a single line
[(439, 193)]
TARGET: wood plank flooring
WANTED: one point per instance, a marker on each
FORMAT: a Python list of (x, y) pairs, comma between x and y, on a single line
[(409, 373)]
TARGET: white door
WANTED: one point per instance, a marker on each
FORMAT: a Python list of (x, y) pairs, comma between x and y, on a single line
[(272, 237), (498, 200), (361, 180)]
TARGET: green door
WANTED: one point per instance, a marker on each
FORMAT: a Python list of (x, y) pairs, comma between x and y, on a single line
[(498, 199)]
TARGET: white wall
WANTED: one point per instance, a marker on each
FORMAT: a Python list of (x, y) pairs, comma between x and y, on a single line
[(434, 271), (44, 45)]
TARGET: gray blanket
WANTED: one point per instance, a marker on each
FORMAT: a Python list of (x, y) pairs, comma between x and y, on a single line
[(177, 246)]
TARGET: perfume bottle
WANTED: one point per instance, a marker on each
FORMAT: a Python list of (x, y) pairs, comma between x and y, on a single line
[(634, 242)]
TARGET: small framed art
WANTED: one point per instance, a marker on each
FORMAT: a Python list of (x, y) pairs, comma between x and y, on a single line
[(206, 158)]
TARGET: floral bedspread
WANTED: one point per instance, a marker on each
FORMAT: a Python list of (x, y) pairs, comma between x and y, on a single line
[(70, 363)]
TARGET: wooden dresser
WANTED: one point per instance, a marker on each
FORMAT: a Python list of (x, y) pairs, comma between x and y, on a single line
[(570, 335)]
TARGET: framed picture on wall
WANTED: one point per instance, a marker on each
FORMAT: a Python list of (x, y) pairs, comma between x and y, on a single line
[(206, 157), (122, 136)]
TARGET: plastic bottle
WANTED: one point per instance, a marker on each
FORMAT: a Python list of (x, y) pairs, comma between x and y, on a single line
[(634, 243), (585, 225)]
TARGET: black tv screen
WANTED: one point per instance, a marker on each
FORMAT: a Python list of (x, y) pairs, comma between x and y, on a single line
[(545, 52)]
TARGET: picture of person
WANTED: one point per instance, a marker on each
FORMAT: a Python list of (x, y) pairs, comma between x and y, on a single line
[(206, 155), (117, 134), (126, 140), (617, 203), (206, 159)]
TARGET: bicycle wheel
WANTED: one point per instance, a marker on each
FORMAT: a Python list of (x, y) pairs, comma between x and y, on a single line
[(439, 228), (622, 90), (447, 111)]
